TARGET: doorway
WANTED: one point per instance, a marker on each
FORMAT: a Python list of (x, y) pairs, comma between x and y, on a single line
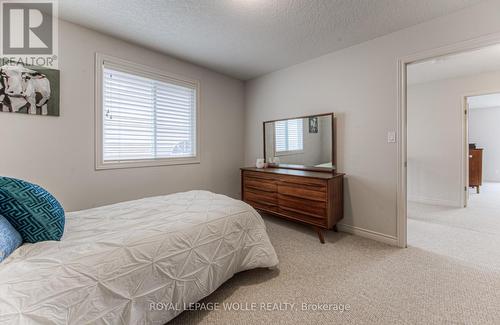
[(484, 141), (446, 138)]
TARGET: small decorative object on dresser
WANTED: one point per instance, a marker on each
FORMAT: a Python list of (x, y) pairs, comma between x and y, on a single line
[(301, 183)]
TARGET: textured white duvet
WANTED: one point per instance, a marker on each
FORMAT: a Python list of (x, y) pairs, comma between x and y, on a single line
[(114, 261)]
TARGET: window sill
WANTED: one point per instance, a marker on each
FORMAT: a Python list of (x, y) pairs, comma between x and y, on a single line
[(288, 153), (146, 163)]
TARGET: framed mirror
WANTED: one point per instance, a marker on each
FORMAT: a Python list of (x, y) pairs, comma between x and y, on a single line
[(306, 143)]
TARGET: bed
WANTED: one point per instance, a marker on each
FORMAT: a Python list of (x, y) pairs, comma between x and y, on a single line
[(136, 262)]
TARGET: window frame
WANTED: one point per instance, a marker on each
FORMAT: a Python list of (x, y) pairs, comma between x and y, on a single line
[(289, 152), (146, 72)]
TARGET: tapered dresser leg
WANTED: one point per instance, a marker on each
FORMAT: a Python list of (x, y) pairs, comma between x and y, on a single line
[(335, 228), (320, 234)]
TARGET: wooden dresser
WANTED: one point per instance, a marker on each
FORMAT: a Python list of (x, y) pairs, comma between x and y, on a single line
[(476, 168), (313, 198)]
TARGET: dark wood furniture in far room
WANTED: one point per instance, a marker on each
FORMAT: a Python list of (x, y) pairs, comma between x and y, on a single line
[(475, 168), (310, 197)]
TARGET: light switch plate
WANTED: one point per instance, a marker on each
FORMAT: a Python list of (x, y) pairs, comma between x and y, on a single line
[(391, 137)]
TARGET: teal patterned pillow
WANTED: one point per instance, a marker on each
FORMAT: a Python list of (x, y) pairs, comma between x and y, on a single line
[(9, 239), (31, 210)]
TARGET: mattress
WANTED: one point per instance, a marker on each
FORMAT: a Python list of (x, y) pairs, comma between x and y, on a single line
[(114, 263)]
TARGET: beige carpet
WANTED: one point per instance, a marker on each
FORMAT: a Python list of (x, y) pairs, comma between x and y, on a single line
[(470, 235), (382, 285)]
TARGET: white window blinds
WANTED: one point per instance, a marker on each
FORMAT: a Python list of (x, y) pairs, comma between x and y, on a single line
[(289, 135), (145, 118)]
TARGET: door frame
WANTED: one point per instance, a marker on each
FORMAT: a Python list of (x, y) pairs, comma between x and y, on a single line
[(466, 157), (465, 151), (403, 62)]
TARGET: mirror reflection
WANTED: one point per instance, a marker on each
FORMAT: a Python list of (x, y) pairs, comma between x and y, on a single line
[(300, 141)]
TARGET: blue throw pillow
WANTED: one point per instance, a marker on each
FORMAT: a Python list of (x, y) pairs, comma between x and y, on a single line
[(31, 210), (9, 239)]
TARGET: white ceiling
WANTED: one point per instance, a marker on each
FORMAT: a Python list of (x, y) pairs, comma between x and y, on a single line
[(484, 101), (248, 38), (453, 66)]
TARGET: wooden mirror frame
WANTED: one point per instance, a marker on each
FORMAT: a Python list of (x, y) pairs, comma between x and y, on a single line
[(304, 167)]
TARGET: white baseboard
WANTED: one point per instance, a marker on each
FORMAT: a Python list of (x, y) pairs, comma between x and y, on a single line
[(433, 201), (377, 236)]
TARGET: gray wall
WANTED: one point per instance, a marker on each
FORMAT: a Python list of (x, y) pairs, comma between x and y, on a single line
[(58, 152), (435, 139), (360, 84), (484, 130)]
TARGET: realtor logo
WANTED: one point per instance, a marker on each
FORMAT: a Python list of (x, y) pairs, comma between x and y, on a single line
[(29, 31)]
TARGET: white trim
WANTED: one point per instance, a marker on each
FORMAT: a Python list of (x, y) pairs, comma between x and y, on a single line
[(465, 153), (401, 195), (147, 72), (380, 237), (483, 108), (456, 48), (434, 201)]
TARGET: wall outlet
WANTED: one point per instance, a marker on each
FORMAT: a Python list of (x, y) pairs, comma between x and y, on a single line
[(391, 137)]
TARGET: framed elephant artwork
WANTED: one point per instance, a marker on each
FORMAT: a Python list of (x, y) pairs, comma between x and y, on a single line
[(29, 90)]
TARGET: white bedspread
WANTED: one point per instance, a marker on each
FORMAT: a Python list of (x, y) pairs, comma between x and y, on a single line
[(114, 261)]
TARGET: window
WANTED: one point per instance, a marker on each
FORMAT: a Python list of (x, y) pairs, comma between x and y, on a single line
[(289, 136), (145, 118)]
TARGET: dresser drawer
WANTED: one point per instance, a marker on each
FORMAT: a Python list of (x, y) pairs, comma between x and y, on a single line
[(320, 184), (311, 208), (314, 193), (260, 184), (261, 176), (260, 205), (254, 195), (298, 216)]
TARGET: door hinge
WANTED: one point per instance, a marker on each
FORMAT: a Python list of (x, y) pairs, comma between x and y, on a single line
[(465, 112)]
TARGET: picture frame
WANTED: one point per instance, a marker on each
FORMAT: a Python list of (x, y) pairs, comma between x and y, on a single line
[(29, 90), (313, 124)]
